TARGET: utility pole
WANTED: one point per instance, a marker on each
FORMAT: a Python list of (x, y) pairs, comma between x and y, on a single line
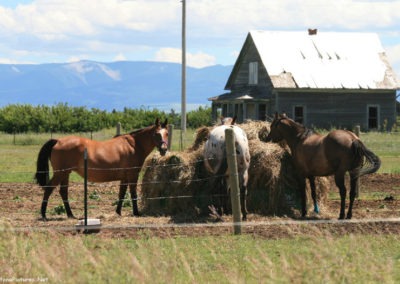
[(183, 91)]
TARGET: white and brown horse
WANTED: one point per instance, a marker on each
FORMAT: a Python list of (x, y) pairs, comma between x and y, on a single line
[(120, 158), (216, 163)]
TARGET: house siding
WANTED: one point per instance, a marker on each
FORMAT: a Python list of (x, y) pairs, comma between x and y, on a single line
[(339, 110)]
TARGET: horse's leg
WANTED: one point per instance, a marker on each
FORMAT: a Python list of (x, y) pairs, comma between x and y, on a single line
[(243, 195), (64, 195), (132, 187), (302, 185), (121, 196), (353, 192), (339, 180), (224, 195), (314, 194), (48, 190)]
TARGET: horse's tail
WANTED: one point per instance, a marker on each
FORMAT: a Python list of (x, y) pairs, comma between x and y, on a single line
[(370, 164), (42, 167)]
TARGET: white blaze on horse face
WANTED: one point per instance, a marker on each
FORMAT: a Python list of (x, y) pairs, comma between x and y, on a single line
[(164, 139)]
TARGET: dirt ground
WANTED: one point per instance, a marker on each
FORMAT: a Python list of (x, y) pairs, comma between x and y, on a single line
[(377, 211)]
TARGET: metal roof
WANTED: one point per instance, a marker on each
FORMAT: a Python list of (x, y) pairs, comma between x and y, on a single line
[(324, 60)]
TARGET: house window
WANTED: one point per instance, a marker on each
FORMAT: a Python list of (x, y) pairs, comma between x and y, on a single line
[(373, 115), (253, 73), (299, 114)]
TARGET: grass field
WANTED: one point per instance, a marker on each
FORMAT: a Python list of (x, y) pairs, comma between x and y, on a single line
[(228, 259)]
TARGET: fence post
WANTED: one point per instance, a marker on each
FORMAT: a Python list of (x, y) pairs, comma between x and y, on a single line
[(85, 158), (118, 129), (357, 130), (233, 180), (170, 133)]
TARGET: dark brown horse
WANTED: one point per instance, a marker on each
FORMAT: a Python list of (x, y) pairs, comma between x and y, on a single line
[(336, 153), (120, 158)]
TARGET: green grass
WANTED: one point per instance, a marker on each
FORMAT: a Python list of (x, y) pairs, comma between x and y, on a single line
[(226, 259)]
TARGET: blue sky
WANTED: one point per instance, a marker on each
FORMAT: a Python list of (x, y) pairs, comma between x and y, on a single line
[(47, 31)]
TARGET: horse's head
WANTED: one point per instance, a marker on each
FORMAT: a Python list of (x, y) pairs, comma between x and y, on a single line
[(161, 136), (228, 120), (277, 125)]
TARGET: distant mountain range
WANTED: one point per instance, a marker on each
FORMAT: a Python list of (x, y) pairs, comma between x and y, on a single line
[(109, 86)]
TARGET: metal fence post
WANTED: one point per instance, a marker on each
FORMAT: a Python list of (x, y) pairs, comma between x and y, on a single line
[(233, 180), (85, 158)]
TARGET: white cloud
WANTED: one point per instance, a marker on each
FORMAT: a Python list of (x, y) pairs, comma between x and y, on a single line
[(197, 60), (393, 53), (103, 28), (293, 14), (119, 57), (73, 59)]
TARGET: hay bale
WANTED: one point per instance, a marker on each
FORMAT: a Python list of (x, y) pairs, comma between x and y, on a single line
[(272, 188), (178, 182)]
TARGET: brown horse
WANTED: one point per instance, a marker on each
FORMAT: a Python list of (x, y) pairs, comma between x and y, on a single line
[(336, 153), (120, 158)]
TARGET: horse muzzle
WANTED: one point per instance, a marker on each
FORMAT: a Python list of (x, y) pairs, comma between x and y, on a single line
[(163, 148)]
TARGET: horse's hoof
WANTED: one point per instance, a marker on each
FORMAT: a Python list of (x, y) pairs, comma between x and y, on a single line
[(44, 219), (72, 217)]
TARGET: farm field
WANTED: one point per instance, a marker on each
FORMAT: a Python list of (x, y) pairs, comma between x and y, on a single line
[(156, 249), (181, 248)]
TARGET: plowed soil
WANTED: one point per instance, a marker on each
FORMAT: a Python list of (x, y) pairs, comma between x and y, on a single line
[(376, 211)]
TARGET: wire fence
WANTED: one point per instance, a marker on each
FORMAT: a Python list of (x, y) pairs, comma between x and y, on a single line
[(102, 196), (24, 202)]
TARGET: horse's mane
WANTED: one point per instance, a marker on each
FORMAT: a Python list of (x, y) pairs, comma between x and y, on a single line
[(137, 131), (304, 132), (307, 133), (133, 132)]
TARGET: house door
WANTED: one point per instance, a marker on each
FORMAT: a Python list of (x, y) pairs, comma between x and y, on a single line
[(262, 112), (250, 111), (372, 117)]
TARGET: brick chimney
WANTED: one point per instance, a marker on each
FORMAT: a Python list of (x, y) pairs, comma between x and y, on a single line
[(312, 31)]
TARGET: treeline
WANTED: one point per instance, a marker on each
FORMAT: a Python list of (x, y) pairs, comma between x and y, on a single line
[(18, 118)]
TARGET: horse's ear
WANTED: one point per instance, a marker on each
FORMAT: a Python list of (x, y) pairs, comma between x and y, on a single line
[(157, 122), (164, 125), (276, 115), (233, 120)]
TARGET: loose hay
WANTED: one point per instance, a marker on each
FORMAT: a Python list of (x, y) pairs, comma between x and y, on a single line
[(179, 183)]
